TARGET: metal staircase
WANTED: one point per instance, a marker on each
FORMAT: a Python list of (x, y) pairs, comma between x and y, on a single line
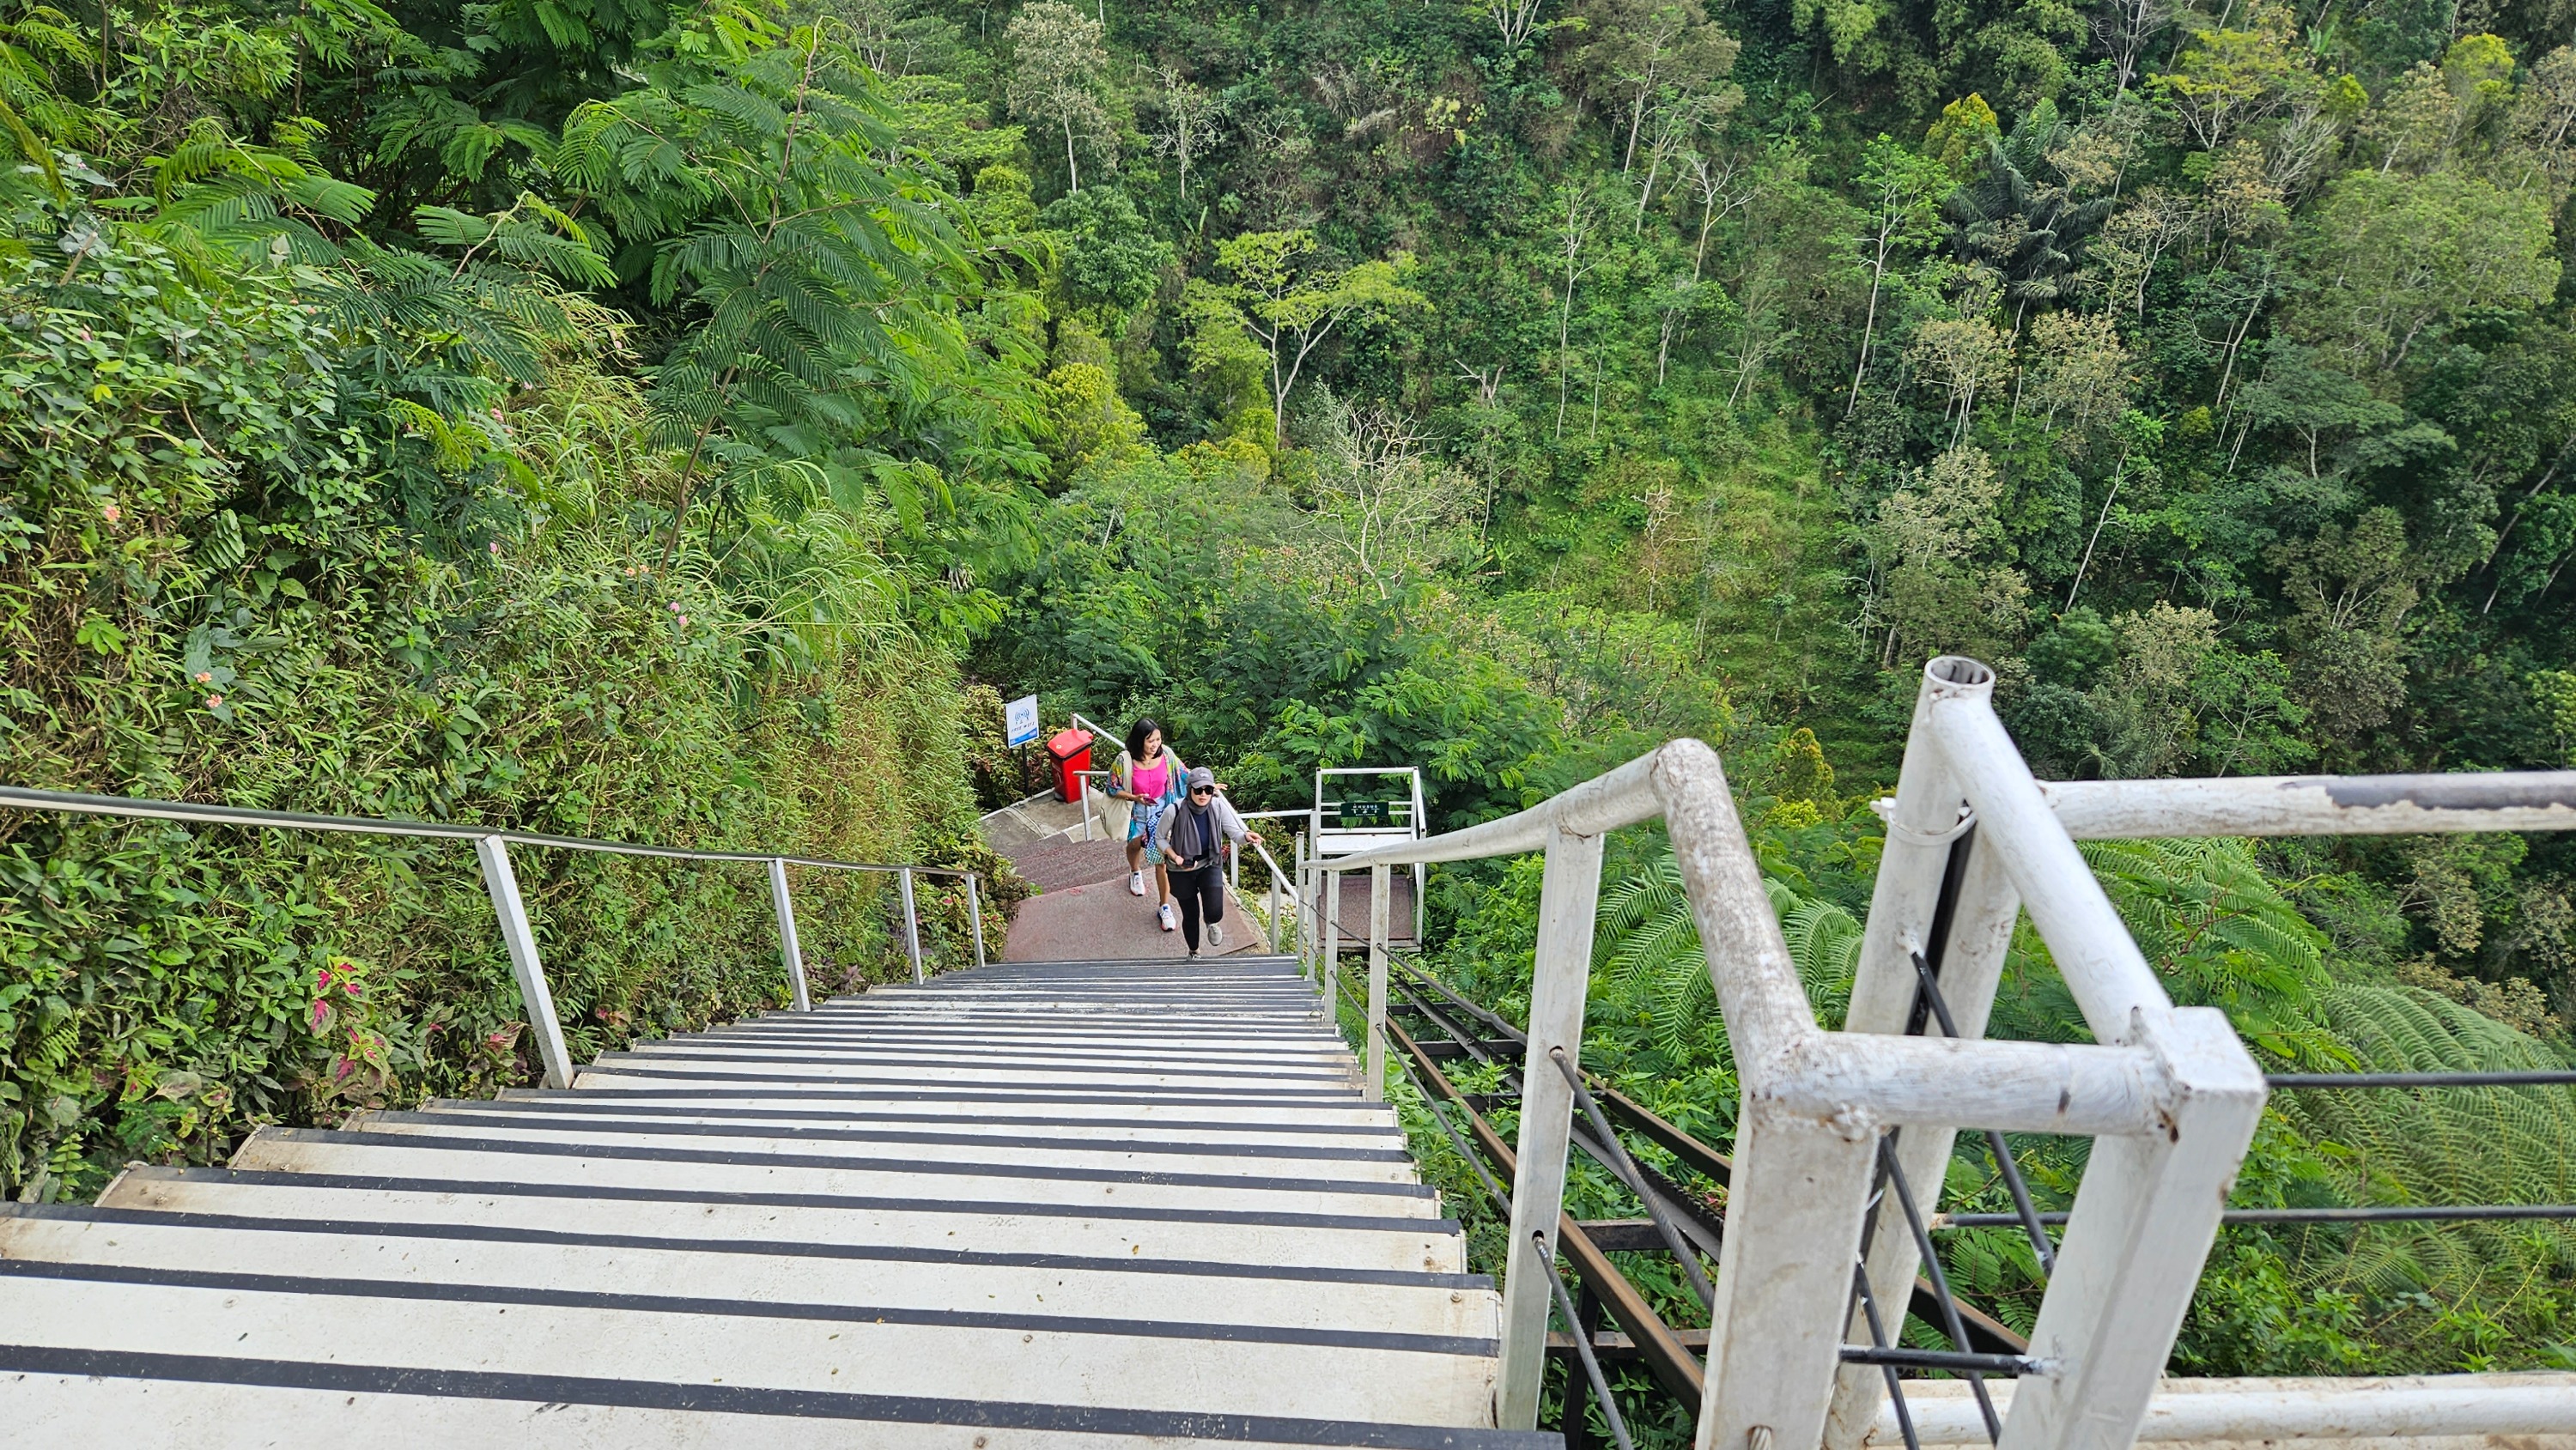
[(1120, 1203), (1058, 1204)]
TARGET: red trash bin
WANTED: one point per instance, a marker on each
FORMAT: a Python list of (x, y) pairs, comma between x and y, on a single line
[(1072, 751)]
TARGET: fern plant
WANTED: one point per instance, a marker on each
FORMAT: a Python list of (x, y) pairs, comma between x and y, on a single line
[(760, 189), (2443, 1290)]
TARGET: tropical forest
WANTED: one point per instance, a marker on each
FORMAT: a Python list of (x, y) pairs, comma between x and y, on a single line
[(688, 421)]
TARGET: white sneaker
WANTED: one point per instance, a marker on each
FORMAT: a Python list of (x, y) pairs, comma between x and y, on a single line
[(1165, 911), (1135, 883), (1216, 935)]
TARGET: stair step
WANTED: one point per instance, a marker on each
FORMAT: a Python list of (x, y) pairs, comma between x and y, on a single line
[(358, 1407), (1130, 1125), (1371, 1165), (757, 1272), (1031, 1205), (895, 1179), (1289, 1242), (941, 1354)]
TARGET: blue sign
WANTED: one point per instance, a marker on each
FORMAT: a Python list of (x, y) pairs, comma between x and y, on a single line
[(1020, 720)]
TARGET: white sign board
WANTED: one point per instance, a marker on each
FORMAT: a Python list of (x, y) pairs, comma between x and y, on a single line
[(1020, 720)]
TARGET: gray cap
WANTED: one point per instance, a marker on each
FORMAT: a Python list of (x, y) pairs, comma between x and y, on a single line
[(1200, 775)]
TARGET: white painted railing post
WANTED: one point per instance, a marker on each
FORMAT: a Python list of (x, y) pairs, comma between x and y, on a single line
[(1332, 942), (1378, 879), (975, 914), (2144, 1219), (1277, 934), (1560, 976), (1926, 833), (787, 948), (912, 928), (503, 885)]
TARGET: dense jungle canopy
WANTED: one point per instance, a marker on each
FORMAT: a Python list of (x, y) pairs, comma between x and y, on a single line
[(687, 421)]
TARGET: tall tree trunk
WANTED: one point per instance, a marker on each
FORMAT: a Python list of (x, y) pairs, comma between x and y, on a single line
[(1869, 327)]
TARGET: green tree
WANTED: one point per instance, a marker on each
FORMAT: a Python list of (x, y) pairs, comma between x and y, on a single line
[(2392, 259), (1059, 70), (1106, 254), (1288, 301), (1903, 192), (822, 285)]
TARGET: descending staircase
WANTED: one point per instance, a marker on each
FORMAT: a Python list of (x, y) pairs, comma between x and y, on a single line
[(1057, 1204)]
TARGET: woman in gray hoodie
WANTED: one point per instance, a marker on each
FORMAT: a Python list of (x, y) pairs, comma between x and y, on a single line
[(1194, 832)]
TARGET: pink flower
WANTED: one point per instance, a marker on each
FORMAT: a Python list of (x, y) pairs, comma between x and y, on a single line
[(214, 702), (496, 548), (675, 608), (496, 415), (112, 513), (684, 621), (205, 677)]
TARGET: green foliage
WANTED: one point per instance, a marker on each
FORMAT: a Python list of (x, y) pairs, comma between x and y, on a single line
[(824, 286)]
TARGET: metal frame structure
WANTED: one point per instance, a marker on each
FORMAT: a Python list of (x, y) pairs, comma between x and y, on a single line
[(492, 852), (1834, 1125), (1330, 842)]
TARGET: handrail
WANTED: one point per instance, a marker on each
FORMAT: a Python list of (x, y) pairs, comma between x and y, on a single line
[(1780, 1051), (500, 881), (21, 798), (1834, 1124)]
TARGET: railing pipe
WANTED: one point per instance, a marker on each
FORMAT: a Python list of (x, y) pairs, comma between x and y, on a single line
[(1621, 797), (912, 929), (1332, 941), (975, 914), (1932, 856), (2307, 805), (2231, 1411), (1378, 878), (73, 803), (503, 884), (788, 951), (2102, 966)]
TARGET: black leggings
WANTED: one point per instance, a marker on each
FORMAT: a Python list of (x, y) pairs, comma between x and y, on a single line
[(1201, 893)]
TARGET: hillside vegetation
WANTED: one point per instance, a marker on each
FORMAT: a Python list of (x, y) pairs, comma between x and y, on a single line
[(665, 421)]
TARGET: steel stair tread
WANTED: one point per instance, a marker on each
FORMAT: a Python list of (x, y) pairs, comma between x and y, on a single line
[(150, 1402), (1107, 1287), (511, 1160), (1338, 1165), (1110, 1205), (945, 1354), (1286, 1242)]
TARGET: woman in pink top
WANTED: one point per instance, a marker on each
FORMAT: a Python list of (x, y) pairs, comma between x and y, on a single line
[(1147, 776)]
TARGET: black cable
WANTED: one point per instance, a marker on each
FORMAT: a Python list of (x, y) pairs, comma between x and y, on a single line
[(1626, 1168), (2452, 1213), (1583, 1345), (1878, 1343), (1995, 1144), (1950, 1324)]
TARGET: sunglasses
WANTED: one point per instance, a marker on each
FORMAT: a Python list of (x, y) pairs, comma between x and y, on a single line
[(1202, 790)]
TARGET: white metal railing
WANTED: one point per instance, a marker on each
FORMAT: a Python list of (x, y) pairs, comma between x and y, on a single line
[(492, 852), (2169, 1093)]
